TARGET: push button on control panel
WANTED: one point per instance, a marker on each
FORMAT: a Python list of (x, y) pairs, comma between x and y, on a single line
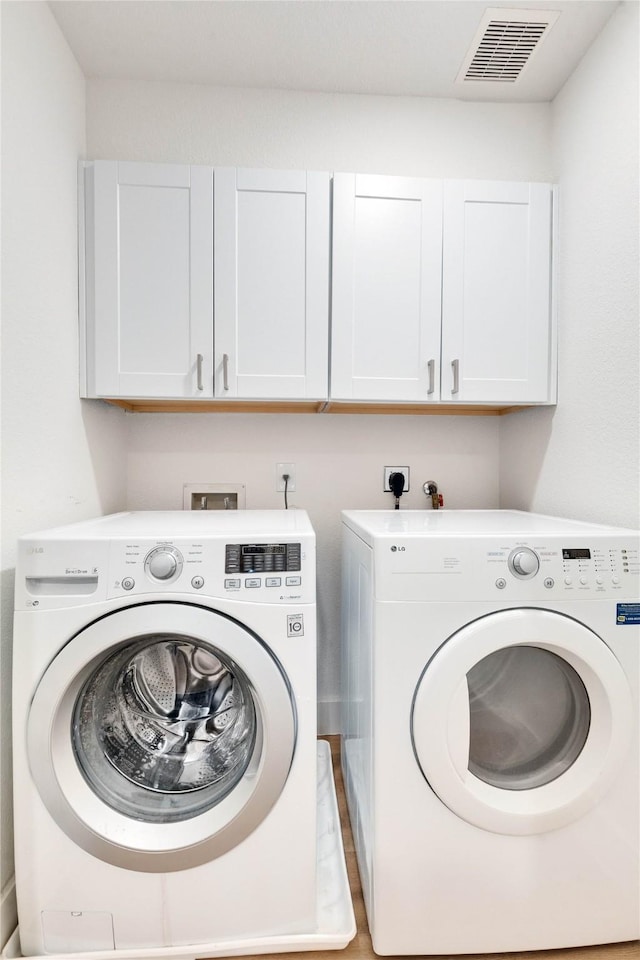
[(263, 566), (232, 558)]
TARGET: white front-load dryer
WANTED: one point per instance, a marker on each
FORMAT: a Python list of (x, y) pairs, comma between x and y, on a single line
[(164, 715), (490, 736)]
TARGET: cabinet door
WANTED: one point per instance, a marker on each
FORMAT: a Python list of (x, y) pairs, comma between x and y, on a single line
[(387, 254), (149, 280), (496, 312), (271, 283)]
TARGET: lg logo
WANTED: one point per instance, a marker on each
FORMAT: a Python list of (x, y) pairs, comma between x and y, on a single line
[(395, 549)]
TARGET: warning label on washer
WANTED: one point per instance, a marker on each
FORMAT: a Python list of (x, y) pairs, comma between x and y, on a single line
[(627, 613)]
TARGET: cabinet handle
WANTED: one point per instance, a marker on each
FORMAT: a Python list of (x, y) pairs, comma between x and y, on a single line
[(225, 371), (455, 367), (199, 360), (431, 370)]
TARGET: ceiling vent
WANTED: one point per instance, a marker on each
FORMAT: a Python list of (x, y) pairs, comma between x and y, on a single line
[(504, 44)]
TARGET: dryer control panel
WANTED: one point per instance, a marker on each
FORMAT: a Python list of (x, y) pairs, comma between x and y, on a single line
[(536, 569), (598, 569)]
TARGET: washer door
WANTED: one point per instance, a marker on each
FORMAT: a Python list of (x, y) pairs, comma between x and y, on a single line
[(161, 736), (521, 720)]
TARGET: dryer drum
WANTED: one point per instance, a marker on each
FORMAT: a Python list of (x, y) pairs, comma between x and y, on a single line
[(529, 717), (164, 728)]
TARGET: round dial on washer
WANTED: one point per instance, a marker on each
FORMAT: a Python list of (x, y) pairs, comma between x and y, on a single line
[(524, 563), (163, 563)]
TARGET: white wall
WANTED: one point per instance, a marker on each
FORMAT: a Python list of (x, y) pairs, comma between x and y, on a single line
[(582, 459), (339, 459), (413, 136), (61, 460)]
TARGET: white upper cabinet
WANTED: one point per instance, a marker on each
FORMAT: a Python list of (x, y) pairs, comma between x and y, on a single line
[(149, 280), (157, 246), (386, 286), (442, 291), (215, 284), (497, 343), (272, 246)]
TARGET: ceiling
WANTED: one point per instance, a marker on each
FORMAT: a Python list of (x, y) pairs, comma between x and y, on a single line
[(387, 47)]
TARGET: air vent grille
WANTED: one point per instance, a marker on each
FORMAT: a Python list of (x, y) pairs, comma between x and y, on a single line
[(504, 44)]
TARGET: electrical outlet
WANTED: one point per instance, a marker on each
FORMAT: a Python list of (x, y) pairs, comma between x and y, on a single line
[(387, 473), (282, 468)]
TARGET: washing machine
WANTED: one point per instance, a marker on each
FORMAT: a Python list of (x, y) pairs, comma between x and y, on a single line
[(490, 735), (164, 714)]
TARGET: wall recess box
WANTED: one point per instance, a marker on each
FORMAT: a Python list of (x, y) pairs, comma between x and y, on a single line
[(214, 496)]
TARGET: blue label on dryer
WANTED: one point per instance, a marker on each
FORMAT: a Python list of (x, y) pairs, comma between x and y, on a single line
[(627, 613)]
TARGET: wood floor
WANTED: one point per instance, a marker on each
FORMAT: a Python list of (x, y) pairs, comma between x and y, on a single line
[(360, 947)]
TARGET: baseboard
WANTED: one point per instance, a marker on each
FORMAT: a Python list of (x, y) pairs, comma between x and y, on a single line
[(329, 717), (8, 912)]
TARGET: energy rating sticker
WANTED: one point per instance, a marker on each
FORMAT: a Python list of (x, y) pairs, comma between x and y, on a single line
[(627, 613)]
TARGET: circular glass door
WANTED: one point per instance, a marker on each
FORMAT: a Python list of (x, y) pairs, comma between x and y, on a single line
[(529, 717), (521, 720), (164, 728), (161, 736)]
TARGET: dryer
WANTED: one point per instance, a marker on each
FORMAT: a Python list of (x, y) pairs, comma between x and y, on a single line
[(490, 733), (164, 714)]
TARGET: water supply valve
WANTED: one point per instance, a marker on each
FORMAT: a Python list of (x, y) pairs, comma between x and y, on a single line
[(431, 490)]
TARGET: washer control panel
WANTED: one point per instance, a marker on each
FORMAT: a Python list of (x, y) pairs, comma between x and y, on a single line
[(274, 572), (239, 557)]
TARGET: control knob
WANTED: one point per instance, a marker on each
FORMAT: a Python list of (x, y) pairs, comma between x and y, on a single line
[(524, 563), (163, 563)]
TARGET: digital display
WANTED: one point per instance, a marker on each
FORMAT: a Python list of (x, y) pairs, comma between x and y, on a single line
[(573, 554), (262, 557), (254, 548)]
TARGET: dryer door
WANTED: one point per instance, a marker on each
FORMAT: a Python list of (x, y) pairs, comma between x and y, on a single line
[(161, 736), (521, 720)]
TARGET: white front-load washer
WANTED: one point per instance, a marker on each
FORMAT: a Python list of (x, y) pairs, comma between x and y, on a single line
[(164, 715), (490, 735)]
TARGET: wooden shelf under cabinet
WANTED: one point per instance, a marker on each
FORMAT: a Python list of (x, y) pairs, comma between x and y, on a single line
[(307, 406)]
